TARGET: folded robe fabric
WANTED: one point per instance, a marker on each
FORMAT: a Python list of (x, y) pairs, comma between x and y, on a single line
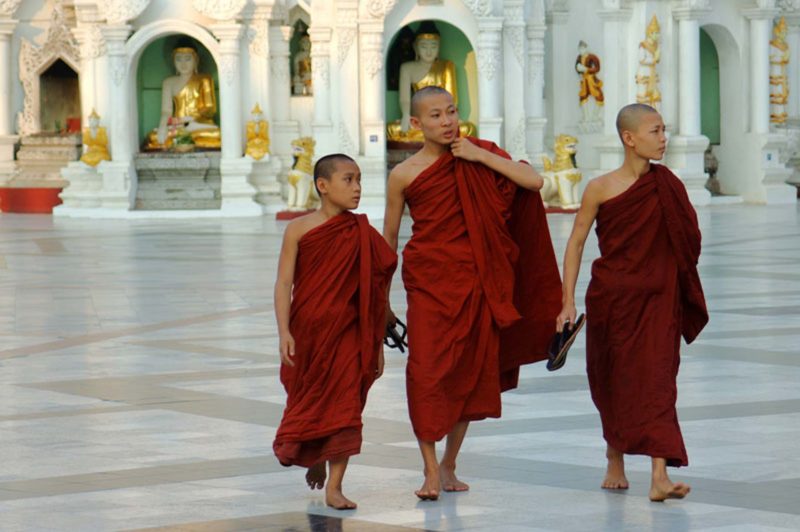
[(644, 293), (483, 291), (337, 321)]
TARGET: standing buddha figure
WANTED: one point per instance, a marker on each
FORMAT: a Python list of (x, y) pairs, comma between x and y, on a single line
[(425, 71), (646, 74), (778, 81), (188, 104)]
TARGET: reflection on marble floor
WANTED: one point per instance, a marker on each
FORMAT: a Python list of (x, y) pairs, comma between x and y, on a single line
[(139, 390)]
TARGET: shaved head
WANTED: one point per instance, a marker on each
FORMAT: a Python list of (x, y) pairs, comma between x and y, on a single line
[(422, 94), (630, 116), (327, 165)]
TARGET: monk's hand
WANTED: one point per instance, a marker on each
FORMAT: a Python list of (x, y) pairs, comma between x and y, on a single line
[(464, 149), (287, 349), (381, 362), (567, 315), (391, 319)]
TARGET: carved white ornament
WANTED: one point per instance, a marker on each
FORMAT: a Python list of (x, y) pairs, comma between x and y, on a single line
[(374, 64), (259, 40), (117, 69), (220, 10), (345, 41), (479, 8), (536, 70), (8, 7), (516, 36), (346, 141), (121, 11), (229, 64), (789, 5), (518, 138), (379, 8), (488, 62), (59, 43), (94, 45), (279, 67), (320, 69)]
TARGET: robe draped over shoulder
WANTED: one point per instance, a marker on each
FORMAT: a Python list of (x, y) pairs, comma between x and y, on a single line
[(337, 321), (483, 291), (644, 293)]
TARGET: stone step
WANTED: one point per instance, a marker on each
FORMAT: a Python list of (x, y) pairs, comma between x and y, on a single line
[(177, 193), (176, 204)]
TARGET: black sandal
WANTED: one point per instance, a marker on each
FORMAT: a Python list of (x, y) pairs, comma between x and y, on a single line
[(561, 342), (396, 339)]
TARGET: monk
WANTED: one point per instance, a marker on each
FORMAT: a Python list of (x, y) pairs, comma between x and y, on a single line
[(480, 275), (644, 294), (330, 299)]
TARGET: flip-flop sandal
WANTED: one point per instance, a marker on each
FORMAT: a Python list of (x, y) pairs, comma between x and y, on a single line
[(561, 342), (396, 339)]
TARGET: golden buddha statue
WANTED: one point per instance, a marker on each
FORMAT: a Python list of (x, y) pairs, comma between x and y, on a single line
[(425, 71), (257, 135), (646, 74), (95, 139), (188, 103), (778, 80)]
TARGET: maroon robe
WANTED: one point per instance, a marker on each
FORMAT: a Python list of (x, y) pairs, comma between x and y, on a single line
[(337, 321), (480, 260), (644, 293)]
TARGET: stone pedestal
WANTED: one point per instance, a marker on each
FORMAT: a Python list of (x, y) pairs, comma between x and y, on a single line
[(264, 179), (171, 181), (41, 157)]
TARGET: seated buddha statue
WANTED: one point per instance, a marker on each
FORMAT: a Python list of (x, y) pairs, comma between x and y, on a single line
[(188, 104), (425, 71), (95, 139)]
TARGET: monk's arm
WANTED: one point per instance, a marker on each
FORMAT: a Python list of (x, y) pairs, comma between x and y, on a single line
[(283, 292), (574, 251), (395, 203), (522, 174)]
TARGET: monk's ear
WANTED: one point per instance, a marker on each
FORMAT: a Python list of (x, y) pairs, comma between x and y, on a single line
[(415, 122), (322, 185), (627, 138)]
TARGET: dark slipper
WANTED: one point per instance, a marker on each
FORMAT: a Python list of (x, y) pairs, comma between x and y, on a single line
[(561, 342), (394, 338)]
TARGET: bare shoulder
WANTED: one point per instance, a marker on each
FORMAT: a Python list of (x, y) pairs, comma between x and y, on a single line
[(298, 227), (406, 172)]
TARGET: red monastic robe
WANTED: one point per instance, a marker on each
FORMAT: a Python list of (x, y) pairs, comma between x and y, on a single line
[(337, 321), (644, 293), (483, 291)]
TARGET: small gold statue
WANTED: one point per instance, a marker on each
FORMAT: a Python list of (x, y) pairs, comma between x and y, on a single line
[(561, 177), (302, 80), (96, 140), (257, 135), (646, 74), (188, 103), (425, 71), (302, 194), (587, 65), (779, 83)]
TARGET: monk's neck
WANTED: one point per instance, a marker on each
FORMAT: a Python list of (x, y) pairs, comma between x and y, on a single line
[(635, 166), (434, 149), (329, 210)]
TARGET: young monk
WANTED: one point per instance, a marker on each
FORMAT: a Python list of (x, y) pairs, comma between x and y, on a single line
[(480, 275), (644, 293), (330, 300)]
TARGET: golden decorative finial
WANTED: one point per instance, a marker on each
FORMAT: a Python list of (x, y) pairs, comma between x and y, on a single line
[(256, 110), (94, 114), (653, 27), (780, 27)]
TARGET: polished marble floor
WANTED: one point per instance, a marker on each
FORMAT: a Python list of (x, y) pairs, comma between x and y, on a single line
[(139, 390)]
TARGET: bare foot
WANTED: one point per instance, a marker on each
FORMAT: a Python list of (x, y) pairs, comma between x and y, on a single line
[(336, 499), (315, 477), (449, 480), (615, 473), (430, 488), (663, 489)]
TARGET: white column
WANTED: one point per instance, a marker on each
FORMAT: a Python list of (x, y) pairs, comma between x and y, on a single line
[(373, 126), (120, 119), (534, 104), (345, 78), (230, 93), (490, 79), (760, 27), (514, 77), (7, 138), (258, 57), (689, 76), (282, 129), (321, 72)]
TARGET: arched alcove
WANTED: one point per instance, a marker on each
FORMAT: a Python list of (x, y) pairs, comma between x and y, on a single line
[(155, 64), (454, 46), (60, 99)]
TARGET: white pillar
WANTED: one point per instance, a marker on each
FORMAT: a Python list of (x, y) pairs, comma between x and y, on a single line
[(120, 119), (760, 26), (321, 72), (514, 77), (689, 77), (258, 57), (534, 104), (282, 129), (230, 93), (345, 78), (373, 125), (490, 79), (7, 138)]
